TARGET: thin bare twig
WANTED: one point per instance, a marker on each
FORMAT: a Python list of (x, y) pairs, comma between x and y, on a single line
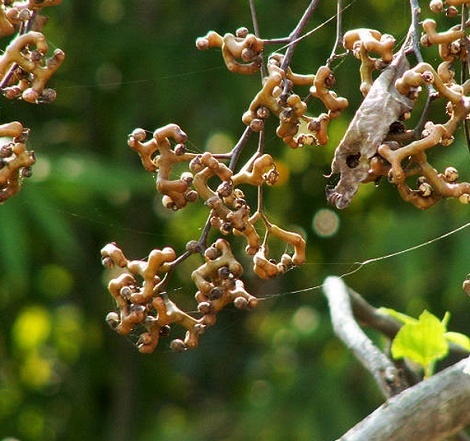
[(413, 33), (465, 69), (339, 32), (235, 154), (254, 19), (295, 34), (412, 40)]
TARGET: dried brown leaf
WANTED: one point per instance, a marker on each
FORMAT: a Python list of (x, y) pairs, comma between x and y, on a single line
[(382, 106)]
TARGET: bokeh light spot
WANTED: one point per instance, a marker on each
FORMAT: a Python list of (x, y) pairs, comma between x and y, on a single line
[(325, 223)]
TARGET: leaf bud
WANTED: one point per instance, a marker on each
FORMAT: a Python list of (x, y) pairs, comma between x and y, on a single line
[(202, 43), (24, 15), (215, 293), (196, 164), (466, 285), (452, 12), (180, 149), (138, 135), (240, 303), (125, 292), (27, 172), (241, 32), (226, 228), (164, 331), (6, 150), (256, 125), (177, 345), (451, 174), (191, 196), (30, 95), (465, 198), (204, 307), (262, 112), (169, 203), (211, 253), (193, 246), (187, 177), (225, 189), (107, 262), (436, 6), (200, 328), (425, 189), (224, 272), (112, 319)]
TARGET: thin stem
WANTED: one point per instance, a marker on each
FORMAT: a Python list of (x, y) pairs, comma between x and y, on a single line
[(339, 31), (284, 40), (414, 30), (413, 35), (422, 119), (202, 245), (465, 69), (254, 19), (205, 234), (261, 141), (295, 34), (235, 154), (260, 188)]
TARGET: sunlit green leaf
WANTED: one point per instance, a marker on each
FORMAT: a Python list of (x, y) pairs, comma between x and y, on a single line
[(422, 342)]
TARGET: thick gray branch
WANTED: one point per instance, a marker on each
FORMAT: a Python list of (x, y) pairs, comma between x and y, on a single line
[(430, 411), (433, 410), (346, 328)]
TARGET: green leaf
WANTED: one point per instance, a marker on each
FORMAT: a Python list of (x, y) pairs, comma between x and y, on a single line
[(423, 342), (446, 319), (458, 339)]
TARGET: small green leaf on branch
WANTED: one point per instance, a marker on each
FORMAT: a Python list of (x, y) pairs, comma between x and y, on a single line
[(458, 339), (423, 342)]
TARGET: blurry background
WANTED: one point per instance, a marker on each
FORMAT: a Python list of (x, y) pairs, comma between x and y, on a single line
[(273, 374)]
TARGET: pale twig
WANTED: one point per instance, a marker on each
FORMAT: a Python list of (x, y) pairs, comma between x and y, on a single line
[(339, 32), (385, 373)]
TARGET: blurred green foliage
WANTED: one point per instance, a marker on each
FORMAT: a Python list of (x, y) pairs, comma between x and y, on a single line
[(275, 373)]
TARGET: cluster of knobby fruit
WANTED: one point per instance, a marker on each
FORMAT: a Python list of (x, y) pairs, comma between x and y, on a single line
[(145, 306), (218, 185), (376, 144), (242, 54), (24, 73)]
